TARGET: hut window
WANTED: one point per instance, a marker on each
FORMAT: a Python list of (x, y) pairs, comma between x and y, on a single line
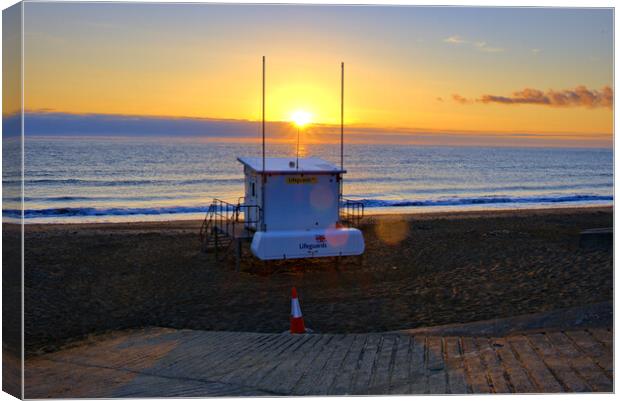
[(253, 190)]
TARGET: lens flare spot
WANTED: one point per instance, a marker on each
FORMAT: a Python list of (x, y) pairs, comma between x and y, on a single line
[(336, 237), (321, 198), (391, 231)]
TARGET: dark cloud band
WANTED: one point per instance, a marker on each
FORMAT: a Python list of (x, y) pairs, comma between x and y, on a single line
[(578, 97)]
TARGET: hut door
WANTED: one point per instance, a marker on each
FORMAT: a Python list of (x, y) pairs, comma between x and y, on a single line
[(252, 199)]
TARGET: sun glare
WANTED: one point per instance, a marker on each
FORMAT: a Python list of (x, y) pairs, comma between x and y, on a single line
[(301, 118)]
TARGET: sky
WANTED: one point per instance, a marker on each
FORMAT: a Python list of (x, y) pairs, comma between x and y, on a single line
[(489, 74)]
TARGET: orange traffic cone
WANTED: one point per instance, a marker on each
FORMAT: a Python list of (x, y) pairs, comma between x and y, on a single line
[(297, 320)]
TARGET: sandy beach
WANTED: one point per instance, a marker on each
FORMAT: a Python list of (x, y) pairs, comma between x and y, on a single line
[(418, 270)]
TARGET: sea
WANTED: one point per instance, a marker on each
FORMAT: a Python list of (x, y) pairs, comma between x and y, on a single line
[(82, 180)]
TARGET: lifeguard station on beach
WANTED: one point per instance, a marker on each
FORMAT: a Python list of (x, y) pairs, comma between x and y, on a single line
[(293, 208)]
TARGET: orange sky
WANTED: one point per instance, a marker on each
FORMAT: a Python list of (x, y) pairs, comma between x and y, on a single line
[(409, 68)]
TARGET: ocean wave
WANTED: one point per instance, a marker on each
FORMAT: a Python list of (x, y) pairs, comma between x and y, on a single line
[(370, 203), (450, 181), (511, 188), (101, 212), (485, 200), (116, 183), (53, 199)]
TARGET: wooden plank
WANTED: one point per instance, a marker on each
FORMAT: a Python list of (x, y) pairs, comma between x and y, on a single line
[(361, 379), (244, 354), (557, 364), (437, 382), (455, 367), (598, 380), (215, 365), (194, 362), (604, 336), (582, 364), (494, 368), (333, 365), (518, 378), (343, 381), (314, 364), (419, 374), (586, 343), (157, 386), (540, 374), (399, 380), (563, 344), (204, 346), (233, 373), (435, 354), (242, 365), (380, 378), (475, 369), (283, 379), (600, 354), (273, 359), (437, 379)]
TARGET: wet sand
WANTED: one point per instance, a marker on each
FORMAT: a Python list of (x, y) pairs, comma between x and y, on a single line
[(418, 270)]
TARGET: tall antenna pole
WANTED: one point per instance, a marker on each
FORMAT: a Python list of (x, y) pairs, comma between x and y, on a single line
[(264, 177), (342, 116), (297, 162), (263, 115), (341, 132)]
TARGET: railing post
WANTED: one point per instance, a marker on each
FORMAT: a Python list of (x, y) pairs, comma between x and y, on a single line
[(215, 233), (237, 254)]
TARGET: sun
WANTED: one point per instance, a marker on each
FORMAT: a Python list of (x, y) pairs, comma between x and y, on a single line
[(301, 118)]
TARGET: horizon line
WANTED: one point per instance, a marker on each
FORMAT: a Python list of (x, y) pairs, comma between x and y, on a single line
[(358, 126)]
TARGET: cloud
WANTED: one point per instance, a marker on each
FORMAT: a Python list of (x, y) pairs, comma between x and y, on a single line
[(460, 99), (455, 39), (439, 99), (577, 97), (480, 46), (484, 47), (84, 126), (536, 51), (40, 122)]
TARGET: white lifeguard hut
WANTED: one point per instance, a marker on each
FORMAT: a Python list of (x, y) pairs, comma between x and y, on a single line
[(293, 208)]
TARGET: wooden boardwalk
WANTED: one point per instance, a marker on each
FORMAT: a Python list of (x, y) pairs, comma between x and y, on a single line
[(165, 362)]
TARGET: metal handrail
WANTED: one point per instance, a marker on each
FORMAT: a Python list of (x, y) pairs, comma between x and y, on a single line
[(351, 212), (227, 216), (206, 223)]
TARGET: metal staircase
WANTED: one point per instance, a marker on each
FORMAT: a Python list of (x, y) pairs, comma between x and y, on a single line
[(215, 235), (206, 229), (225, 226)]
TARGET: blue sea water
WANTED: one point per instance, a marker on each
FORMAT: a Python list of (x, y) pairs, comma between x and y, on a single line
[(112, 179)]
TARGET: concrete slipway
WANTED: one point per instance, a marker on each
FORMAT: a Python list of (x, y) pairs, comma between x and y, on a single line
[(167, 362)]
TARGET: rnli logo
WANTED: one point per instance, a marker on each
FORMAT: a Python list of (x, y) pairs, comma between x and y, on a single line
[(320, 238)]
